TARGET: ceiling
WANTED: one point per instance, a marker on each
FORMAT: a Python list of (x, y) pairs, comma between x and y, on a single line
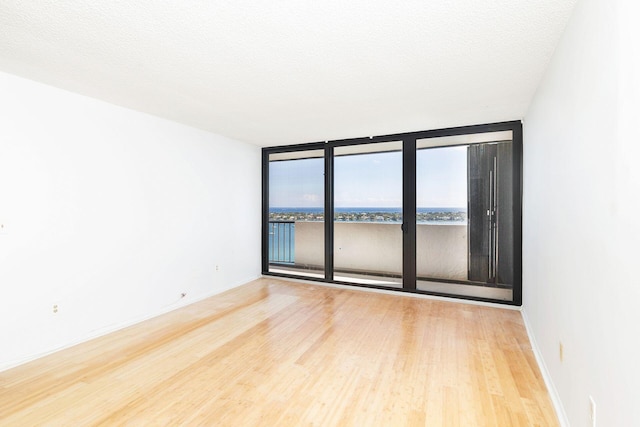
[(291, 71)]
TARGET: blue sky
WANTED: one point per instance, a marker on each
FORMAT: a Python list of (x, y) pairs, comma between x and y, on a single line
[(372, 180)]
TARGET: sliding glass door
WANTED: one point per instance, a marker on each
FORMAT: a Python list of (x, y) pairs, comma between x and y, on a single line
[(464, 230), (441, 213), (295, 223), (435, 212), (367, 227)]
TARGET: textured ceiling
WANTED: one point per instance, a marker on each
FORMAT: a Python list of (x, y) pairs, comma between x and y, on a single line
[(281, 72)]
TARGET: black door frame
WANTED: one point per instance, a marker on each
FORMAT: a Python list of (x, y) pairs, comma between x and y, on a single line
[(408, 204)]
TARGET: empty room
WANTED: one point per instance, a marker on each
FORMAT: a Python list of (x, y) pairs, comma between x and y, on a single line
[(231, 213)]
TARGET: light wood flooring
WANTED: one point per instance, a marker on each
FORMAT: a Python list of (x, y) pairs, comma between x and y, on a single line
[(276, 353)]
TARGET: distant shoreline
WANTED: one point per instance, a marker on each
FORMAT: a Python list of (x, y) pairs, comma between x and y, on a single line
[(388, 215)]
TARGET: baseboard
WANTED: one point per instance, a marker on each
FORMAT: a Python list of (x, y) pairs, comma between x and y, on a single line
[(553, 393), (116, 327)]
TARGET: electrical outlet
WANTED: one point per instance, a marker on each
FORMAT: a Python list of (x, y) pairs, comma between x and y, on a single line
[(561, 352), (3, 228), (592, 411), (55, 308), (217, 267)]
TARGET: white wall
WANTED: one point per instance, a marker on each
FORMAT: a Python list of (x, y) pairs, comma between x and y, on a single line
[(111, 214), (581, 247)]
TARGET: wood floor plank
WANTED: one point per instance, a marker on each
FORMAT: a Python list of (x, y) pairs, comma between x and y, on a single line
[(273, 352)]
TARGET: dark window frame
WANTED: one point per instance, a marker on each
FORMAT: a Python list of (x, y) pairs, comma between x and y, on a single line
[(408, 205)]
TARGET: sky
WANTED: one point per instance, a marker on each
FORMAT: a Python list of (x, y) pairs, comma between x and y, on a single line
[(372, 180)]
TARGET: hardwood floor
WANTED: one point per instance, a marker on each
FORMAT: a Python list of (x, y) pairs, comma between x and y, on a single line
[(277, 353)]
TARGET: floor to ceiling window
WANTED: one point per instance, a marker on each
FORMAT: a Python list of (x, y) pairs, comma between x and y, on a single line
[(464, 239), (367, 219), (295, 223), (435, 212)]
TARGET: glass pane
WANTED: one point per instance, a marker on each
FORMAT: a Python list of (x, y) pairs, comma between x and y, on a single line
[(441, 214), (464, 234), (368, 214), (296, 213)]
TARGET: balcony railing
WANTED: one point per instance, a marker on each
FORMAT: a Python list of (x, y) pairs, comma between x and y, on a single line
[(282, 242), (371, 253), (370, 247)]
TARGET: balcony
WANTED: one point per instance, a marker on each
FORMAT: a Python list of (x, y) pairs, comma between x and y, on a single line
[(371, 253)]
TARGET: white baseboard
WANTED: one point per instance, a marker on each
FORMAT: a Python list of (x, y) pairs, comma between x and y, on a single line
[(116, 327), (553, 393)]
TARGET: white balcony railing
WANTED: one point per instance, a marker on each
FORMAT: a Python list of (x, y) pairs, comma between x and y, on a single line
[(376, 247)]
